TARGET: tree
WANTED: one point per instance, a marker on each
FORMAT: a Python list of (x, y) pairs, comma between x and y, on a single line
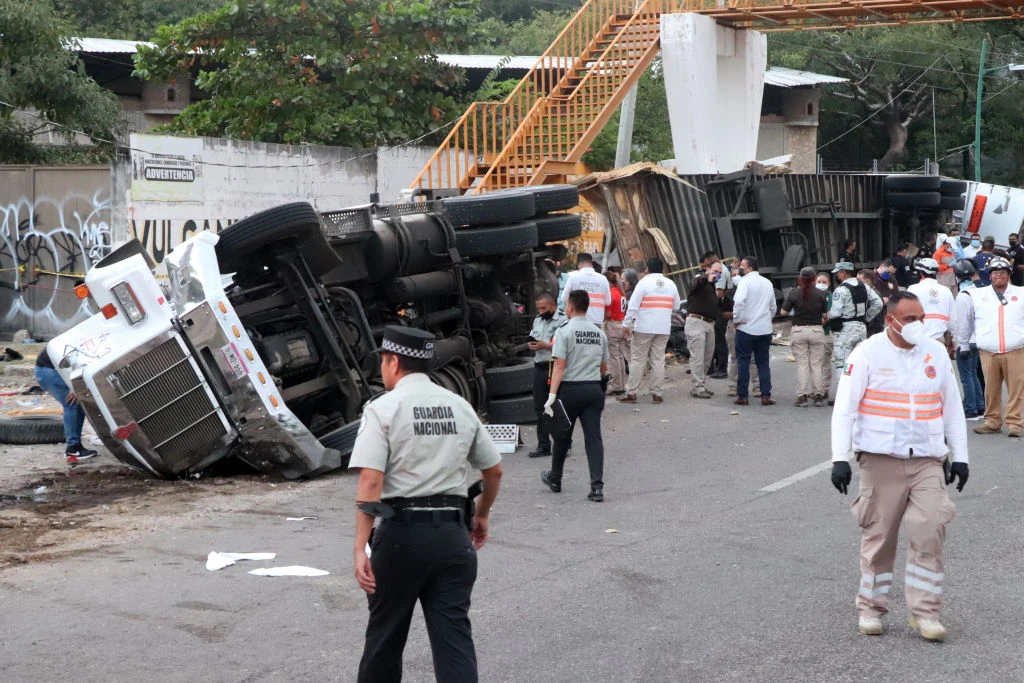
[(333, 72), (48, 84), (129, 19)]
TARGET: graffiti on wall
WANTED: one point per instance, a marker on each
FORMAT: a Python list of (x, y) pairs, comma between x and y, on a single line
[(160, 237), (46, 244)]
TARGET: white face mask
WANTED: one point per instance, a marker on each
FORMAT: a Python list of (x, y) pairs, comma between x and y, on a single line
[(912, 332), (735, 279), (822, 286)]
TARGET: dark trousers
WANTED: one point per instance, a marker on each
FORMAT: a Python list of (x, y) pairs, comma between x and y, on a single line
[(435, 565), (756, 345), (721, 360), (583, 402), (541, 389)]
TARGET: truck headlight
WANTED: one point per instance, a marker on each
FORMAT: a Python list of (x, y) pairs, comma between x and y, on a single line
[(129, 303)]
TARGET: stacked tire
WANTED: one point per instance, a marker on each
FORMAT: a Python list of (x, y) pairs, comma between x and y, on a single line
[(927, 192), (505, 222)]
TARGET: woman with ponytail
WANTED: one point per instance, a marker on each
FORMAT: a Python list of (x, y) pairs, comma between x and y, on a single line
[(809, 307)]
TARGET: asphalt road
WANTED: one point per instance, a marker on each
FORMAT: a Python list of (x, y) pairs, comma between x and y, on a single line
[(707, 577)]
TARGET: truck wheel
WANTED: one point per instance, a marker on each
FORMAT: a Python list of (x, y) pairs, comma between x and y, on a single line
[(793, 259), (949, 203), (515, 377), (952, 188), (913, 199), (556, 227), (513, 410), (489, 209), (31, 429), (913, 183), (495, 241), (242, 241), (342, 439), (548, 198)]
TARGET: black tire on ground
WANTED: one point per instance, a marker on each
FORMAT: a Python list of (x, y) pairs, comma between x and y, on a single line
[(31, 429), (342, 439), (921, 200), (240, 242), (952, 203), (794, 258), (952, 188), (512, 410), (489, 209), (503, 239), (556, 227), (548, 198), (514, 377), (913, 183)]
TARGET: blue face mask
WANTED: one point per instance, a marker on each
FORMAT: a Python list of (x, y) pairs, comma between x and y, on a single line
[(885, 275), (975, 243)]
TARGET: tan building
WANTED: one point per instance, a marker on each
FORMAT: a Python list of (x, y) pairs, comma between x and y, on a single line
[(789, 116)]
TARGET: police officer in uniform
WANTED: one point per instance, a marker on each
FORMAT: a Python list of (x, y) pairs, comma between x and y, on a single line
[(853, 306), (415, 448), (578, 382), (542, 337)]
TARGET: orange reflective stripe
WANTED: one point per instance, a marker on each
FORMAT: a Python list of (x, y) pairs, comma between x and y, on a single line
[(882, 412), (1002, 329), (888, 396), (928, 398), (649, 306), (936, 316), (930, 415), (658, 297)]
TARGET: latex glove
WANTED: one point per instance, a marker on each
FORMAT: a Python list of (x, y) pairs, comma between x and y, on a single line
[(548, 410), (964, 354), (958, 469), (841, 476)]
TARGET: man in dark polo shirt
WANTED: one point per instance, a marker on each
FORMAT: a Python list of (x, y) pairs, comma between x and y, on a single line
[(701, 314)]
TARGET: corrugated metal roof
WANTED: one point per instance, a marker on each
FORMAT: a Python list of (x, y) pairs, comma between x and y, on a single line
[(109, 45), (782, 77)]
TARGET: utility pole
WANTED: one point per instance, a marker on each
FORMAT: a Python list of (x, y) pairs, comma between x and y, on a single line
[(624, 148), (977, 112)]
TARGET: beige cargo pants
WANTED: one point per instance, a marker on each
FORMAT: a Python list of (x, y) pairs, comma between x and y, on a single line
[(912, 491), (647, 348)]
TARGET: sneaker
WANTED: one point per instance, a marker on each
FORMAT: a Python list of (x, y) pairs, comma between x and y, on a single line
[(596, 495), (541, 452), (819, 402), (719, 375), (800, 402), (732, 393), (978, 415), (930, 629), (767, 401), (555, 486), (627, 398), (870, 626), (656, 398), (1014, 432), (77, 453), (986, 428), (701, 393)]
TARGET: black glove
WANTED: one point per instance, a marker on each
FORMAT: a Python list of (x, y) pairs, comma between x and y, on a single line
[(605, 380), (964, 354), (842, 475), (958, 469)]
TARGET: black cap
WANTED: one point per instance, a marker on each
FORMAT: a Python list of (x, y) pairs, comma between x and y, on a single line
[(408, 341)]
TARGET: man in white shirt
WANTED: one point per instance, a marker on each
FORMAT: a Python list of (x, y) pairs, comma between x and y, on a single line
[(650, 315), (592, 282), (898, 410), (938, 302), (753, 309)]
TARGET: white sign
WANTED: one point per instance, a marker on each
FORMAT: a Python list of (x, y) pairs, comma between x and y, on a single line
[(167, 169)]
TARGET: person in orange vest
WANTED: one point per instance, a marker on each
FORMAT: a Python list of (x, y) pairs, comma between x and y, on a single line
[(649, 321)]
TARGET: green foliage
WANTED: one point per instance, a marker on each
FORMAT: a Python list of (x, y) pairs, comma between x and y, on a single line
[(526, 36), (652, 134), (335, 72), (508, 11), (129, 19), (38, 75)]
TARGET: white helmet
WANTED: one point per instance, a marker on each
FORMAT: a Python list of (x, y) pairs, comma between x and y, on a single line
[(927, 265)]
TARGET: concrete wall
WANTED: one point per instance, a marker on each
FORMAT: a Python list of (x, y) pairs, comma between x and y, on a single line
[(55, 222), (235, 179)]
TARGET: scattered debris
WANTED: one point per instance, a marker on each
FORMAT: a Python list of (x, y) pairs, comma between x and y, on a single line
[(289, 571), (298, 519), (216, 560), (611, 531), (735, 412)]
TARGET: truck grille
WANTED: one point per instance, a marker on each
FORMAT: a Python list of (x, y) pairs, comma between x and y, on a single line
[(165, 396)]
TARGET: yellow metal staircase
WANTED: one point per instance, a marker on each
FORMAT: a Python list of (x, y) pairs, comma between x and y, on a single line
[(543, 128)]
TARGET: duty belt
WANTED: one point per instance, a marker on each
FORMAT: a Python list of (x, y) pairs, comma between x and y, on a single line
[(440, 502), (705, 318)]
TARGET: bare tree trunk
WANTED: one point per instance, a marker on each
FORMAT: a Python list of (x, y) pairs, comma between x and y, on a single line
[(897, 151)]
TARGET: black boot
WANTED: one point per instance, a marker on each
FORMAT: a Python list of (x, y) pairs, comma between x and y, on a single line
[(542, 451), (596, 495), (555, 486)]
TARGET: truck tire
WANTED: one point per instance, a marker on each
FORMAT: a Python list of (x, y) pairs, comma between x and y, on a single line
[(952, 188), (240, 242), (794, 258), (502, 239), (515, 377), (556, 227), (512, 410), (31, 429), (913, 183), (949, 203), (342, 439), (489, 209), (548, 198), (913, 200)]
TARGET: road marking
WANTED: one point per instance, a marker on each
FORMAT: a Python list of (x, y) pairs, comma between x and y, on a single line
[(799, 476)]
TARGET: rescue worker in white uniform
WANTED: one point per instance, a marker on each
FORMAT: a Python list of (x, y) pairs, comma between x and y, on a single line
[(592, 282), (415, 449), (939, 304), (854, 305), (897, 408), (649, 318), (996, 316)]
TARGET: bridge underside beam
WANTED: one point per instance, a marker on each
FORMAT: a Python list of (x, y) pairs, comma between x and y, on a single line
[(832, 15)]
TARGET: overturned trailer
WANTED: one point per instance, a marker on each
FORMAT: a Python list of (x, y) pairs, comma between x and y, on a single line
[(786, 221)]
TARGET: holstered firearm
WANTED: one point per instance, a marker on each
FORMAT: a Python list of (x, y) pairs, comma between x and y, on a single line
[(475, 490)]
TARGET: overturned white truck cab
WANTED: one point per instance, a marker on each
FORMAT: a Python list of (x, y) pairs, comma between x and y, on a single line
[(261, 344)]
